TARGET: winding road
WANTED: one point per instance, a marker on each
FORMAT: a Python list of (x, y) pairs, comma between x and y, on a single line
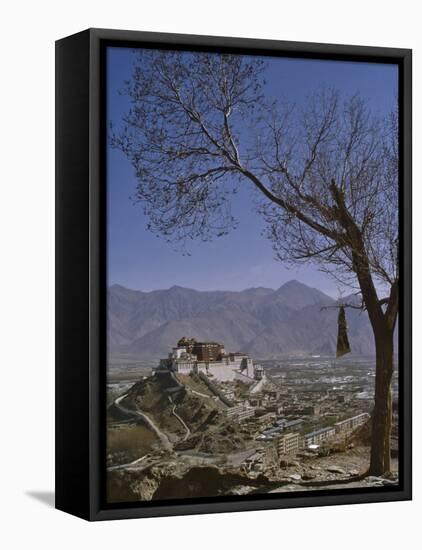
[(180, 419), (201, 394), (147, 420), (134, 464)]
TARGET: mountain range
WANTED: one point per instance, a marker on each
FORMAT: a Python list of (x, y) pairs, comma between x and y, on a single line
[(263, 322)]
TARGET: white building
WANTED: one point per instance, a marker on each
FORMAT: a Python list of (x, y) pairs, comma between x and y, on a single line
[(352, 423), (222, 366), (288, 444)]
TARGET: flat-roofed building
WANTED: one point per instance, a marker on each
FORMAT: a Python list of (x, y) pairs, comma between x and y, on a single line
[(240, 412), (288, 444), (318, 436), (352, 423), (209, 358)]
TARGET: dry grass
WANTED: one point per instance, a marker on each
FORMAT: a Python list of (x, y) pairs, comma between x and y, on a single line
[(194, 383), (130, 442)]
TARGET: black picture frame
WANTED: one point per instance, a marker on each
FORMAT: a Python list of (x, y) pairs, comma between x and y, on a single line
[(81, 282)]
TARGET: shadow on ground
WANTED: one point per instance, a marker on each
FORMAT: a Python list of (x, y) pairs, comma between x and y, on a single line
[(45, 497)]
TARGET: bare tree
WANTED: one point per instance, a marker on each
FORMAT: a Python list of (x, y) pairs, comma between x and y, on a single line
[(199, 126)]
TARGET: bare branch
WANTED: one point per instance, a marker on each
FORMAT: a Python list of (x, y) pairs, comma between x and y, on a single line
[(199, 127)]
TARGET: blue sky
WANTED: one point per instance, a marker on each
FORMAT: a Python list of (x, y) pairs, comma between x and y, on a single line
[(243, 259)]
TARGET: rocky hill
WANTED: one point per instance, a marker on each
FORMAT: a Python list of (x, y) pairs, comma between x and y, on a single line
[(184, 410), (263, 322)]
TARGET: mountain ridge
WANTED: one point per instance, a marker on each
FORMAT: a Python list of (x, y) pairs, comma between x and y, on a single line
[(266, 323)]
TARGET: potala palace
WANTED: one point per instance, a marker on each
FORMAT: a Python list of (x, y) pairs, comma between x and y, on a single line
[(212, 359)]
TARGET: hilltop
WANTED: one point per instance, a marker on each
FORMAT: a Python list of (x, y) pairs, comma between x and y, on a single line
[(185, 411)]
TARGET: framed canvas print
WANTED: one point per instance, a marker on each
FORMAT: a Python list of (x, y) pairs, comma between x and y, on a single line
[(233, 274)]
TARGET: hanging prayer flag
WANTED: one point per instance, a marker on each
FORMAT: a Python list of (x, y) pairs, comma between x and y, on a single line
[(343, 345)]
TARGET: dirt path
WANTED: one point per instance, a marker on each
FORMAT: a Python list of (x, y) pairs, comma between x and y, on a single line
[(147, 420), (135, 462), (200, 394), (180, 419), (188, 432)]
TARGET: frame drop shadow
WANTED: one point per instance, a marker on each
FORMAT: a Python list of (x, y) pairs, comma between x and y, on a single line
[(45, 497)]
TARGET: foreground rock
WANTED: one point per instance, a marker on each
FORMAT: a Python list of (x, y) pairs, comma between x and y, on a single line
[(166, 476), (335, 469), (173, 480)]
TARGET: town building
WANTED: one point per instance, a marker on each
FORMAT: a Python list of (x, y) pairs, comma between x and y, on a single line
[(288, 444), (318, 436), (352, 423), (240, 412), (293, 424), (308, 410), (254, 463)]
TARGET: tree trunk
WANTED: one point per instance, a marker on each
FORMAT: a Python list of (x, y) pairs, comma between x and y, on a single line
[(382, 413)]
